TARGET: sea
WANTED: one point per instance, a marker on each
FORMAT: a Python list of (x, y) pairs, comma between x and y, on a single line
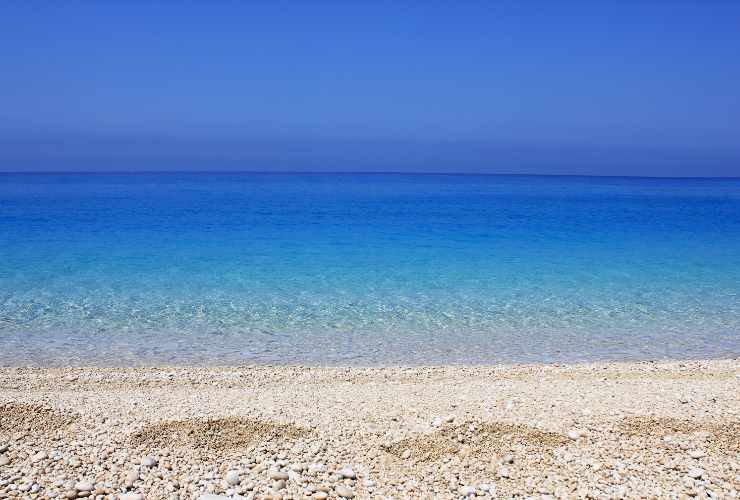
[(365, 269)]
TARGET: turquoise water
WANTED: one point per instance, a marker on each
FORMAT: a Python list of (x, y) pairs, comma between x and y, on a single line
[(365, 269)]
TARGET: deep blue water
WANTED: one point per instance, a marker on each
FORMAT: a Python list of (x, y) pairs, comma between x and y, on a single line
[(366, 269)]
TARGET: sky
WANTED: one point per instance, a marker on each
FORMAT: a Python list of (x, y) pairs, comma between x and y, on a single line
[(594, 88)]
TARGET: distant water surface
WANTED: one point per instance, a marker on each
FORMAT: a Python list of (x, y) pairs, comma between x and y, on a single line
[(365, 269)]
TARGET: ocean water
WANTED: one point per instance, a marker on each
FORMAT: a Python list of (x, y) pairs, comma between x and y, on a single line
[(365, 269)]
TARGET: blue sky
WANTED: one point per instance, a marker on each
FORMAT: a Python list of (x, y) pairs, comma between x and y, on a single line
[(605, 88)]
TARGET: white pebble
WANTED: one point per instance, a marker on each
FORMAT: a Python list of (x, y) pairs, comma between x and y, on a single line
[(131, 496), (277, 475), (84, 486), (131, 477), (316, 468), (574, 434), (232, 477), (344, 492), (347, 473), (467, 491), (695, 473)]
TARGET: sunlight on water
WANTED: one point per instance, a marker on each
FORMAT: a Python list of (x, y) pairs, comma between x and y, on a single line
[(366, 269)]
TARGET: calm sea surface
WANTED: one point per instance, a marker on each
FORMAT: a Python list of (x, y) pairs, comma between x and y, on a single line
[(365, 269)]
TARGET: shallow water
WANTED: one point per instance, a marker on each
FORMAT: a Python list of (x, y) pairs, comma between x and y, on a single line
[(365, 269)]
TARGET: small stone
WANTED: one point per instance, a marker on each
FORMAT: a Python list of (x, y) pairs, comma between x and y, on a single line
[(344, 492), (84, 486), (695, 473), (507, 459), (4, 460), (279, 484), (449, 419), (232, 477), (437, 422), (70, 494), (467, 491), (314, 468), (277, 475), (131, 477), (697, 454), (298, 467), (574, 434), (321, 495), (504, 472), (4, 448), (130, 496), (406, 454), (347, 473), (149, 461), (39, 456), (211, 496)]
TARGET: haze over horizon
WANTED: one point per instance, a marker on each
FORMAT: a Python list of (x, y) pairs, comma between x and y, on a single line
[(583, 88)]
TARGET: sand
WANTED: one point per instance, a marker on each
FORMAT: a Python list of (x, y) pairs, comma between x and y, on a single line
[(603, 430)]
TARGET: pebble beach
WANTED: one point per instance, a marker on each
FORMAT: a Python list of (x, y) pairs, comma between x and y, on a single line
[(598, 430)]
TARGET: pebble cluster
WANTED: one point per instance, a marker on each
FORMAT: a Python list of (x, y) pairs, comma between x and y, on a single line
[(629, 430)]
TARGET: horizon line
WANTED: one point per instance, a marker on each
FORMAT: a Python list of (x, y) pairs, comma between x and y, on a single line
[(345, 172)]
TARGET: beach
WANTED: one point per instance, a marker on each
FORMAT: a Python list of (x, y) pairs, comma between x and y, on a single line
[(600, 430), (369, 250)]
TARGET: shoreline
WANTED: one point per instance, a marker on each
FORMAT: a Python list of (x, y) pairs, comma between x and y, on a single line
[(599, 429), (730, 356)]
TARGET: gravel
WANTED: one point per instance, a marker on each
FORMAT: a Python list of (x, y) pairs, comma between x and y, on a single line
[(601, 430)]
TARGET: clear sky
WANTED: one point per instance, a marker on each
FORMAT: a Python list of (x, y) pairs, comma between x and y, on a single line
[(606, 88)]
